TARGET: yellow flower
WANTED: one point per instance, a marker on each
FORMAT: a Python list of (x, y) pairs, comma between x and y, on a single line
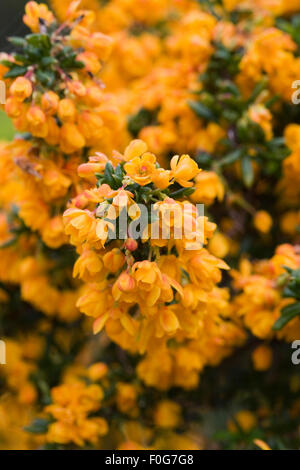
[(96, 164), (208, 187), (71, 138), (33, 13), (263, 221), (91, 126), (114, 260), (161, 178), (184, 169), (80, 225), (21, 89), (219, 245), (140, 169), (37, 121), (66, 110), (97, 371), (126, 397), (289, 222), (169, 320), (89, 267), (90, 60), (292, 136), (167, 414), (262, 357), (50, 101), (53, 233), (246, 420), (136, 148), (149, 280)]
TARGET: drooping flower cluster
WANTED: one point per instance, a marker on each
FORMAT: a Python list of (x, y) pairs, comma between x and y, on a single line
[(154, 291), (58, 103)]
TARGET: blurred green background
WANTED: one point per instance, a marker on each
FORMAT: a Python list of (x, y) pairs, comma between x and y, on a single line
[(11, 13)]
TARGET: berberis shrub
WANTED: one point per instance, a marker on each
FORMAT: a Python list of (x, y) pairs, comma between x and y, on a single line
[(178, 121)]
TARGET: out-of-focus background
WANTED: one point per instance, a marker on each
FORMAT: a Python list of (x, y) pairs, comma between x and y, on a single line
[(11, 13)]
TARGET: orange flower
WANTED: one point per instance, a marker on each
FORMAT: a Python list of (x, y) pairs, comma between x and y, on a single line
[(91, 127), (169, 320), (33, 14), (79, 224), (50, 102), (167, 414), (91, 61), (263, 221), (125, 282), (13, 108), (126, 397), (95, 164), (89, 267), (262, 357), (71, 139), (21, 89), (140, 169), (161, 178), (149, 280), (53, 135), (136, 148), (114, 260), (66, 110), (184, 169), (53, 233), (37, 122), (208, 187)]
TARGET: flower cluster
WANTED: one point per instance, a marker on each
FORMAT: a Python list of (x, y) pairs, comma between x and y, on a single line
[(151, 290), (58, 103), (267, 289)]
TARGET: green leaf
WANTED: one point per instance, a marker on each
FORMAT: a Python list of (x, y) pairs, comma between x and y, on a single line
[(108, 175), (16, 71), (143, 118), (183, 192), (287, 314), (257, 90), (203, 159), (46, 61), (77, 64), (7, 63), (231, 157), (247, 171), (119, 172), (34, 53), (16, 41), (202, 111), (39, 40), (21, 58), (38, 426), (46, 78)]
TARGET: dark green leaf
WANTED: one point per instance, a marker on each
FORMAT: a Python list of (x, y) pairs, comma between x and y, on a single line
[(38, 426), (287, 314), (202, 111), (231, 157), (16, 71), (183, 192), (16, 41)]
